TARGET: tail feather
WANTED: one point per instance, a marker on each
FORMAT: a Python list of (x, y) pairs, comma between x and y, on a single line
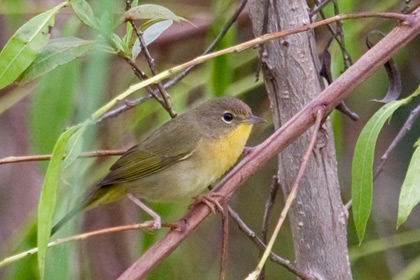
[(98, 196), (65, 219)]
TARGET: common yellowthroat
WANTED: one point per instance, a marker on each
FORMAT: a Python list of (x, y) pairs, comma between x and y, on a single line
[(178, 160)]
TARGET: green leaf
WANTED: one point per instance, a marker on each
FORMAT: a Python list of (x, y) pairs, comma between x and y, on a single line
[(150, 11), (362, 174), (48, 197), (129, 30), (25, 45), (84, 12), (74, 147), (151, 34), (118, 43), (53, 106), (57, 52), (410, 190), (221, 68)]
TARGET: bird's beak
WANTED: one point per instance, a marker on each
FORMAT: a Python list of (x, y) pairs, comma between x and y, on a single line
[(254, 119)]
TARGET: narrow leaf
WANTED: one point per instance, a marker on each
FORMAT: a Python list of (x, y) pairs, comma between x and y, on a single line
[(84, 13), (151, 34), (48, 196), (410, 190), (362, 173), (150, 11), (25, 45), (362, 165), (74, 147), (129, 30), (53, 105), (57, 52)]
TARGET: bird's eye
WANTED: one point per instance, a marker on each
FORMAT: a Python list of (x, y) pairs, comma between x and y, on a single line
[(227, 117)]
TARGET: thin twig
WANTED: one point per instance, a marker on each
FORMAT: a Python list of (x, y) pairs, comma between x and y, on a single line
[(180, 76), (219, 37), (142, 76), (98, 153), (151, 62), (254, 238), (262, 51), (339, 32), (267, 213), (165, 101), (294, 190), (339, 37), (225, 242), (318, 6), (82, 236), (408, 21), (128, 104), (403, 131)]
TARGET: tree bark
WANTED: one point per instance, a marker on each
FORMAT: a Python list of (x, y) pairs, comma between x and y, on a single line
[(290, 66)]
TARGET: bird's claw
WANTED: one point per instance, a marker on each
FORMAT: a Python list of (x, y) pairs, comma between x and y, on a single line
[(209, 200), (153, 225)]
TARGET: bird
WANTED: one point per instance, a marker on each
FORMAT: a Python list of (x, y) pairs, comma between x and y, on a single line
[(179, 160)]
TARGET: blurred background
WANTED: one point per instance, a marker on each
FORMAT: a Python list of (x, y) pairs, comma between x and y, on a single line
[(33, 115)]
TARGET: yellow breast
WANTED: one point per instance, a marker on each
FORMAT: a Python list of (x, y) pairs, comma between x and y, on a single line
[(223, 153)]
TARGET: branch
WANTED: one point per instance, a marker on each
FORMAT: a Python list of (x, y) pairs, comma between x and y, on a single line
[(281, 138), (225, 242), (267, 214), (219, 37), (406, 20), (293, 192), (166, 99), (254, 238), (180, 76), (403, 131), (142, 226), (98, 153)]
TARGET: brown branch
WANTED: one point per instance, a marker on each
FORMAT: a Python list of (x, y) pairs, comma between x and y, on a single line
[(98, 153), (142, 226), (339, 37), (318, 6), (295, 187), (330, 98), (225, 242), (403, 131), (273, 257), (151, 62), (405, 20), (274, 188), (128, 104), (179, 77), (142, 76), (213, 45)]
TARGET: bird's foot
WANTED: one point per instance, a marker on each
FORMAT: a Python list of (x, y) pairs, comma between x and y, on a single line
[(153, 225), (209, 200)]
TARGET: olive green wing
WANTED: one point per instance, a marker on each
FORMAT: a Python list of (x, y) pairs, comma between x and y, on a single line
[(137, 164), (151, 156)]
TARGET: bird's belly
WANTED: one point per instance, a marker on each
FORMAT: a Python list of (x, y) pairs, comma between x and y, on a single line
[(180, 181)]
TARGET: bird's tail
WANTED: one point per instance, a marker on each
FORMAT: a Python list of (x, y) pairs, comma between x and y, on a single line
[(99, 195), (65, 219)]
